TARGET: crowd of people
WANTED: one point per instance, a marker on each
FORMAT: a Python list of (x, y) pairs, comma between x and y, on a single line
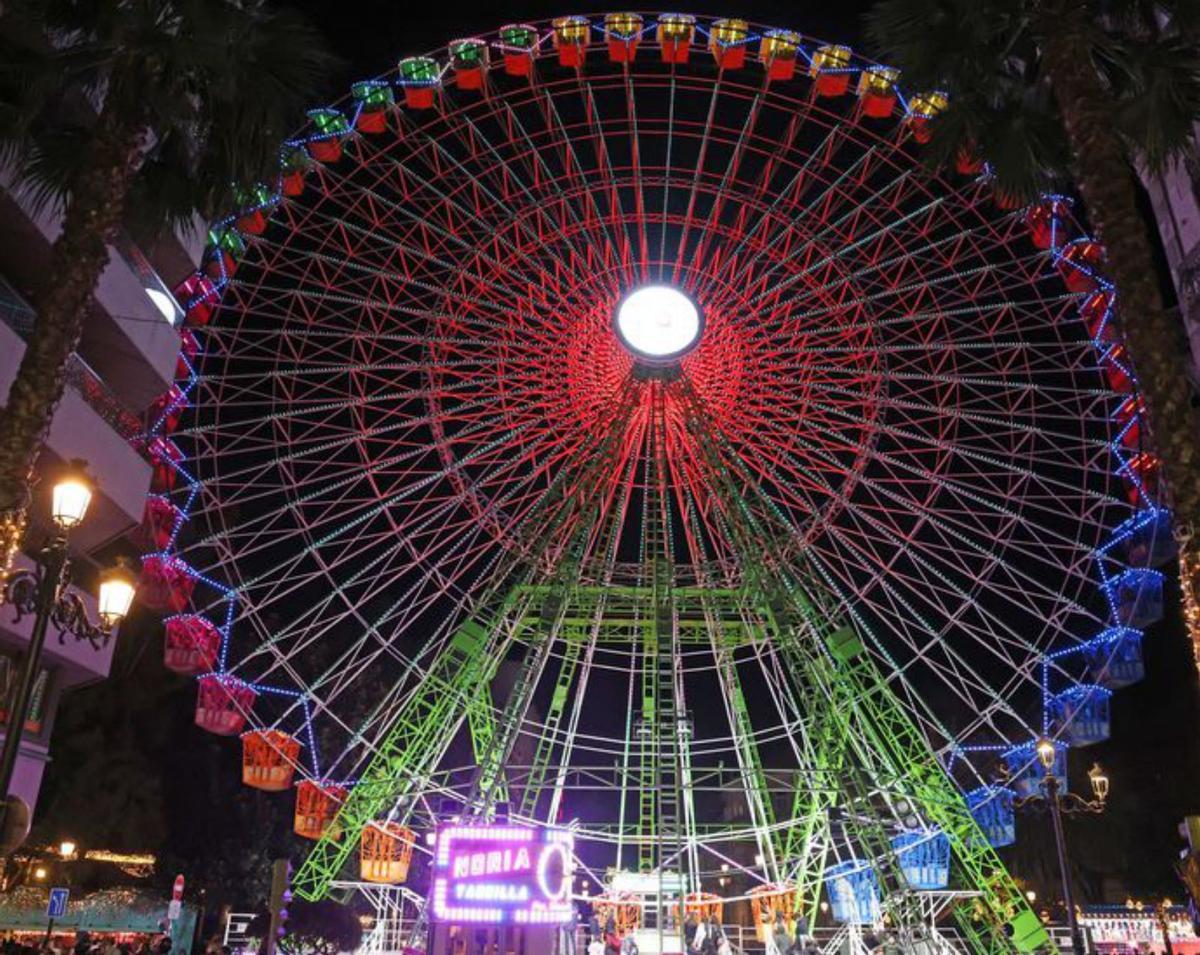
[(784, 941), (701, 936), (83, 943)]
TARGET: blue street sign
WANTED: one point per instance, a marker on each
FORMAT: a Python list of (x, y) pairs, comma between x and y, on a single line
[(58, 903)]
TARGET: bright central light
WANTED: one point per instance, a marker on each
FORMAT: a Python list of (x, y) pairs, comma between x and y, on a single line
[(658, 322)]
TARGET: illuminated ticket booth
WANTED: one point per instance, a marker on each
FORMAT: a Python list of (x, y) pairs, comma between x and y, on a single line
[(506, 886), (657, 930)]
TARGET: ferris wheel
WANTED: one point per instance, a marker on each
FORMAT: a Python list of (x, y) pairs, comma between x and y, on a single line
[(613, 421)]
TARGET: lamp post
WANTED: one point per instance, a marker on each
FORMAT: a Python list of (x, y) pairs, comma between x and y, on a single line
[(43, 593), (1060, 803)]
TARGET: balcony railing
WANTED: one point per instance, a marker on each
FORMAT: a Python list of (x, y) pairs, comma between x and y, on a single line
[(19, 315)]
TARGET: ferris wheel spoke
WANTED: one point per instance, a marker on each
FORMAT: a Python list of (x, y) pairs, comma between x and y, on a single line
[(495, 200), (702, 148), (816, 208), (903, 617), (256, 471)]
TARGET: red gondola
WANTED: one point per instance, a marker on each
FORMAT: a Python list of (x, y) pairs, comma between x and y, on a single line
[(166, 583), (222, 702), (191, 644), (159, 517)]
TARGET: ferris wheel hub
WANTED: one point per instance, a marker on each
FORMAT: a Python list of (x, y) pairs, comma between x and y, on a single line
[(658, 323)]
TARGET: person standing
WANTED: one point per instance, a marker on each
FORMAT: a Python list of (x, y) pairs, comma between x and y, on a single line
[(612, 941), (780, 941), (566, 936)]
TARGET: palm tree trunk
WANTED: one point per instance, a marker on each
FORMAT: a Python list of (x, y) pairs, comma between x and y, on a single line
[(1155, 341), (77, 259)]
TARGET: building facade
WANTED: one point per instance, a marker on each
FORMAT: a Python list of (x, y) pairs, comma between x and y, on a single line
[(125, 361), (1175, 197)]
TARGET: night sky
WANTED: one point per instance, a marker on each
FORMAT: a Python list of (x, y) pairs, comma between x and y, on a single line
[(1153, 757)]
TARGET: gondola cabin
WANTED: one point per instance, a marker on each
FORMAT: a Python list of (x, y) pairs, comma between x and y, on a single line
[(769, 902), (385, 853), (853, 890), (1140, 475), (198, 297), (1045, 222), (1127, 422), (830, 68), (777, 51), (518, 41), (269, 760), (255, 206), (1081, 714), (420, 77), (292, 171), (317, 806), (189, 348), (623, 32), (992, 809), (225, 250), (924, 857), (166, 583), (1137, 596), (222, 703), (1096, 312), (325, 141), (922, 110), (164, 413), (877, 91), (159, 517), (1080, 264), (674, 34), (469, 60), (164, 457), (1149, 538), (571, 35), (191, 644), (1114, 658), (967, 161), (727, 39), (372, 100)]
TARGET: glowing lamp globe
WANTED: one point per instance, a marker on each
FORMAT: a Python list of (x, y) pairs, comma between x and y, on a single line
[(658, 323), (116, 596), (1045, 753), (72, 495)]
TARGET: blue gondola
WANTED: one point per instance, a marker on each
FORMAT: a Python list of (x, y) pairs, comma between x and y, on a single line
[(1149, 541), (1114, 658), (1138, 597), (924, 857), (992, 809), (853, 892), (1027, 772), (1081, 714)]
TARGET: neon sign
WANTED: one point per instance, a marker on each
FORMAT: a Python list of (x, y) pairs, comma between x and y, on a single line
[(502, 874)]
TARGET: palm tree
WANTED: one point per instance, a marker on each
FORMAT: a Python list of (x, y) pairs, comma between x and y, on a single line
[(137, 112), (1053, 90)]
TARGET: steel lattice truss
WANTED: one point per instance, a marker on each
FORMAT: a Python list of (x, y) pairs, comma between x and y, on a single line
[(412, 417)]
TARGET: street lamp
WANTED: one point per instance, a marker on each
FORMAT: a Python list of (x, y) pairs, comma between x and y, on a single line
[(66, 849), (1060, 803), (43, 593)]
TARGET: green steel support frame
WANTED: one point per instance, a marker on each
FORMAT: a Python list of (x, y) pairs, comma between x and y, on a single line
[(865, 754)]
